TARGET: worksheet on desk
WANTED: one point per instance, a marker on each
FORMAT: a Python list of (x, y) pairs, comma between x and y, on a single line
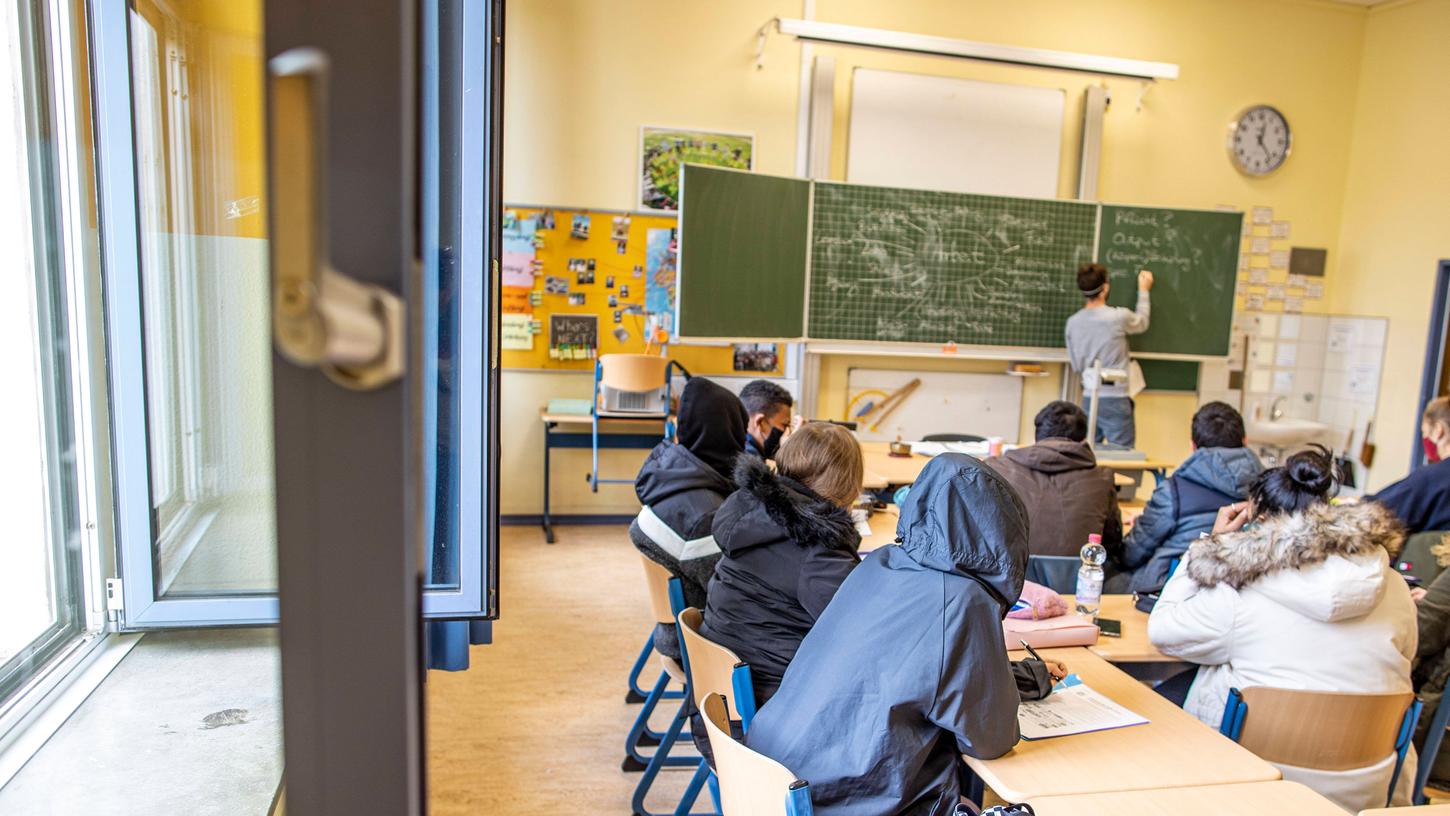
[(1072, 710)]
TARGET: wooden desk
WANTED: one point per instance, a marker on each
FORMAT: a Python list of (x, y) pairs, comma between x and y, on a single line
[(1133, 646), (895, 470), (643, 433), (1213, 800), (1157, 467), (1422, 810), (883, 530), (1173, 750), (883, 469), (872, 480)]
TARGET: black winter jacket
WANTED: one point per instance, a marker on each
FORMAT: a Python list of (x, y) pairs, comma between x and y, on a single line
[(785, 551), (680, 494)]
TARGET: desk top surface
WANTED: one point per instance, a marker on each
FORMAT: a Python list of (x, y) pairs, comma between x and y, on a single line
[(881, 466), (585, 419), (1133, 646), (1173, 750), (1422, 810), (1254, 797)]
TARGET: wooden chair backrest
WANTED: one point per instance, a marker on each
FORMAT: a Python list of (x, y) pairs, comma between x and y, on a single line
[(712, 666), (658, 580), (633, 372), (1330, 731), (751, 784)]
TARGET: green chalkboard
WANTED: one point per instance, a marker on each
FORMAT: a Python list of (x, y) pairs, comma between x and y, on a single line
[(742, 267), (1170, 375), (917, 266), (1194, 258)]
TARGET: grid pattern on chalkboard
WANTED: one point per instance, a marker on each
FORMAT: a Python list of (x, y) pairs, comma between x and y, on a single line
[(918, 266)]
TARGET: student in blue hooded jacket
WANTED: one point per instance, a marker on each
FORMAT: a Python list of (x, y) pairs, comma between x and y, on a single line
[(1217, 474), (907, 668)]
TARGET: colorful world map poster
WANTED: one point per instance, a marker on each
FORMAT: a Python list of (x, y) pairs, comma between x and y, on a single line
[(660, 263)]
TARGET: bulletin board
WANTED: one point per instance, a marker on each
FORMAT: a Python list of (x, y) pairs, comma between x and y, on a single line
[(633, 261)]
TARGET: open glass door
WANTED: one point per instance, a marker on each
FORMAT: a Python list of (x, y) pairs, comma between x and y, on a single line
[(182, 160)]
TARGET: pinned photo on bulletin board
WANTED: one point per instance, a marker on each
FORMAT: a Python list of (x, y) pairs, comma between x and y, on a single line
[(663, 150)]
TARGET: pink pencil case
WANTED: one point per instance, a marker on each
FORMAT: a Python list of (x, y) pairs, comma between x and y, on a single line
[(1038, 602), (1066, 630)]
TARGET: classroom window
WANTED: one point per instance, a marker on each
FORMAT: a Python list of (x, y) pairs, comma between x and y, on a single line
[(196, 77), (41, 593)]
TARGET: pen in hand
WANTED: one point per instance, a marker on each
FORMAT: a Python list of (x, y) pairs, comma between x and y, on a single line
[(1055, 669)]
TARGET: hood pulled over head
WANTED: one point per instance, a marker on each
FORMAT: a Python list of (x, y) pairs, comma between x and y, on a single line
[(962, 518), (711, 424)]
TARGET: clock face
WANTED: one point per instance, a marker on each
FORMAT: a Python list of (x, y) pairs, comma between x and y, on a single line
[(1259, 140)]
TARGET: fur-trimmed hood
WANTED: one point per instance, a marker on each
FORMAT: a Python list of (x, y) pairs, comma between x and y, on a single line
[(769, 507), (1326, 561)]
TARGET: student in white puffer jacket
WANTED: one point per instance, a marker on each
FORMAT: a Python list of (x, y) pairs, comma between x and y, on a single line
[(1303, 599)]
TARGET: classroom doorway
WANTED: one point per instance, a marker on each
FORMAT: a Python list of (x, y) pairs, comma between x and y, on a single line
[(1435, 379)]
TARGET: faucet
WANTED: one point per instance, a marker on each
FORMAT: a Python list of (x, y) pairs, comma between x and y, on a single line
[(1276, 412)]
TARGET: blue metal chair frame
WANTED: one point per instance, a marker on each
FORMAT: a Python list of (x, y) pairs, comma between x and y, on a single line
[(640, 734), (661, 758), (742, 690), (635, 694), (1236, 709), (798, 799), (1433, 737), (594, 480)]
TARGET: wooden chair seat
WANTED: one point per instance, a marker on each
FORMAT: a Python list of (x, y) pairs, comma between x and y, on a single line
[(751, 784), (1330, 731), (712, 666), (633, 372), (657, 578)]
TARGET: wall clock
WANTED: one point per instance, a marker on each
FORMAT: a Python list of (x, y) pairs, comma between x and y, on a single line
[(1259, 140)]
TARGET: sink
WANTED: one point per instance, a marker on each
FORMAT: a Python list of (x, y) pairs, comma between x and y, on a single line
[(1285, 433)]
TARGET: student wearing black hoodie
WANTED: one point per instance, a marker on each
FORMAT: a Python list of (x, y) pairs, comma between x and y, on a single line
[(907, 668), (681, 485), (787, 542)]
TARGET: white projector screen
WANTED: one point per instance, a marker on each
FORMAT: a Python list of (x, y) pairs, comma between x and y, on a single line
[(960, 135)]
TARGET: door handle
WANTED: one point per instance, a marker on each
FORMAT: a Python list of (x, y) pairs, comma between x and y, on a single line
[(352, 331)]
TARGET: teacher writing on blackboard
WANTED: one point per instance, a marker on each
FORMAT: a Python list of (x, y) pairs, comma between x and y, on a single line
[(1098, 333)]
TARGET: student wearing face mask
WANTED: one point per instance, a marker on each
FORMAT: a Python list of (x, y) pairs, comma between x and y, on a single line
[(1421, 500), (769, 421)]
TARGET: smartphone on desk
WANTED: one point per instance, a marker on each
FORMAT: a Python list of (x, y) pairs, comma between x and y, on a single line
[(1109, 627)]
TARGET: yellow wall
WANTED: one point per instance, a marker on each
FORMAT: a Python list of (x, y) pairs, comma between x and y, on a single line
[(583, 76), (1396, 211)]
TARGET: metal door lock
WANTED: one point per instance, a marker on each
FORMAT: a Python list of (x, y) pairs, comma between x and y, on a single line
[(352, 331)]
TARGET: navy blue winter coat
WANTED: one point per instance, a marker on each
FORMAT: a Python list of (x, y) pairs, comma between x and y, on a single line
[(1181, 508), (1421, 500), (907, 666)]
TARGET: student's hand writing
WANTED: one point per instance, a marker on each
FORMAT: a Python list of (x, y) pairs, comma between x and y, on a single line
[(1145, 280), (1056, 668), (1231, 517)]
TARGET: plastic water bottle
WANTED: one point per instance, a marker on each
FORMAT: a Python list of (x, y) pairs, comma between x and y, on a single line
[(1090, 576)]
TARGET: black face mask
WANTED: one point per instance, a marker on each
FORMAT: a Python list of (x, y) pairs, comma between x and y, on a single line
[(771, 443)]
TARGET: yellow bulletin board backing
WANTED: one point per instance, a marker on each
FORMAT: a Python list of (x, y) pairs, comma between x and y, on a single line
[(554, 247)]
